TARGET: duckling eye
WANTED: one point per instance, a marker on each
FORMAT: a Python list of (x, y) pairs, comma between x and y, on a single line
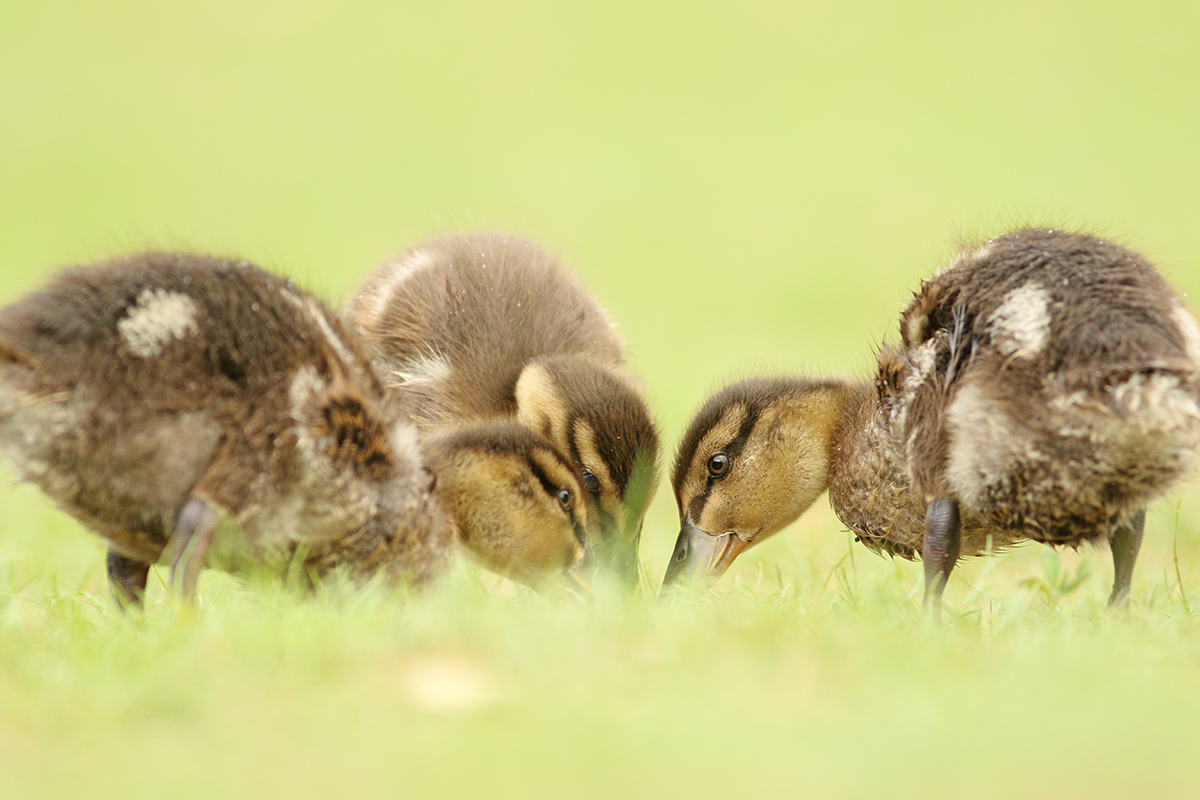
[(564, 499), (718, 465), (591, 482)]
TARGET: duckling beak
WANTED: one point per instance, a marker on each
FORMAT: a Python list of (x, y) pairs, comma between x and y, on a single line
[(701, 556), (618, 557), (575, 583)]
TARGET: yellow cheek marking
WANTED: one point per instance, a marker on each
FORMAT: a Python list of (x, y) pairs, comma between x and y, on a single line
[(540, 407)]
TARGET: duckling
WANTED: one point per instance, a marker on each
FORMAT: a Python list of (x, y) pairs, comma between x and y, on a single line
[(1045, 388), (475, 327), (155, 396)]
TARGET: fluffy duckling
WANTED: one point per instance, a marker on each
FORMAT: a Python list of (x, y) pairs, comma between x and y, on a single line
[(475, 327), (1045, 388), (154, 396)]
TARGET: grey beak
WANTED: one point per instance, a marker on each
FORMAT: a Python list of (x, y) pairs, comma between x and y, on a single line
[(700, 555)]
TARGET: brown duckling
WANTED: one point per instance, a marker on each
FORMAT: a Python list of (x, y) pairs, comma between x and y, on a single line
[(481, 326), (153, 396), (1045, 388)]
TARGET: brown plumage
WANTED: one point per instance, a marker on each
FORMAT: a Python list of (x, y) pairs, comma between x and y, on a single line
[(479, 327), (1045, 388), (153, 396)]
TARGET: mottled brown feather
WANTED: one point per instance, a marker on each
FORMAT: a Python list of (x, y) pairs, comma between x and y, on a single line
[(150, 379)]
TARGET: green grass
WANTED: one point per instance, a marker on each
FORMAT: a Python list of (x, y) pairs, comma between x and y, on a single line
[(809, 672), (750, 186), (764, 687)]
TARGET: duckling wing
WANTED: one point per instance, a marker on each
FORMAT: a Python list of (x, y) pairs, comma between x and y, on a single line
[(1049, 382)]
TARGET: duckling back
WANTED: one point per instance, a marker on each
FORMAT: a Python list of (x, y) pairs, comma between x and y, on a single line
[(454, 321), (1046, 380)]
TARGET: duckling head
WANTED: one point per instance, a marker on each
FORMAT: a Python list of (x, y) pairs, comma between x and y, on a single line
[(514, 498), (596, 418), (753, 459)]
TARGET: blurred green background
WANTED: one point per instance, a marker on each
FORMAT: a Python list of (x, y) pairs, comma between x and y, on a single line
[(751, 186)]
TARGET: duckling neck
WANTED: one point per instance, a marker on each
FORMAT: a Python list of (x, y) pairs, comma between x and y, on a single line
[(869, 487), (813, 425), (854, 406)]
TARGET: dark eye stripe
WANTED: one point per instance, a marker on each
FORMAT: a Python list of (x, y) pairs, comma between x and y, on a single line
[(550, 486), (571, 443), (734, 448)]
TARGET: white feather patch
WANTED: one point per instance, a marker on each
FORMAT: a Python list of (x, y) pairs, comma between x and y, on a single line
[(1021, 325), (1191, 333), (985, 443), (158, 317)]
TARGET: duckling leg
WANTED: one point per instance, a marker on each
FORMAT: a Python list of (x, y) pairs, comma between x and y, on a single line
[(189, 544), (1125, 542), (128, 579), (939, 550)]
